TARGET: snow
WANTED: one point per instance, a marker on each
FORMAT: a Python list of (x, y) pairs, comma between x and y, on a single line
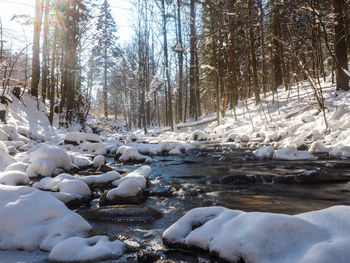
[(77, 187), (126, 188), (265, 152), (139, 175), (77, 249), (131, 154), (318, 147), (94, 148), (17, 166), (53, 154), (98, 161), (41, 167), (30, 219), (291, 153), (5, 160), (81, 137), (101, 178), (317, 236), (13, 178)]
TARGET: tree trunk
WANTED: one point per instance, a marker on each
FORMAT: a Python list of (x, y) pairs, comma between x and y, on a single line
[(166, 64), (340, 46), (193, 80), (36, 49), (180, 53)]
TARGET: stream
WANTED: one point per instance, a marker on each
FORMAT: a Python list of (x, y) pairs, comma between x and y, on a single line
[(233, 178)]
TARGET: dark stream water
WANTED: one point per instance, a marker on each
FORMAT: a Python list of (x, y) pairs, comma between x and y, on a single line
[(233, 179)]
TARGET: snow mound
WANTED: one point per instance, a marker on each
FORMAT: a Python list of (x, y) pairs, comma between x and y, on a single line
[(58, 156), (291, 153), (13, 178), (76, 187), (128, 153), (17, 166), (318, 147), (340, 151), (30, 219), (94, 148), (199, 136), (5, 160), (126, 188), (319, 236), (139, 175), (41, 167), (80, 137), (98, 161), (101, 178), (77, 249), (265, 152)]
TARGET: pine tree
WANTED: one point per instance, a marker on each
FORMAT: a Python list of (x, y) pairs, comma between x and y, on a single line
[(105, 49)]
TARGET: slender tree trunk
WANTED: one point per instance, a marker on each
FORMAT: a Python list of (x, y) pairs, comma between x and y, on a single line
[(170, 105), (193, 82), (252, 55), (44, 79), (340, 46), (180, 53), (36, 49), (52, 82)]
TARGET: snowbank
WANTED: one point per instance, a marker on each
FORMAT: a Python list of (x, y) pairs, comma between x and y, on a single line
[(30, 219), (291, 153), (319, 236)]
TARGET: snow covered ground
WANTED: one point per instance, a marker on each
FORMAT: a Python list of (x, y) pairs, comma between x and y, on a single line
[(39, 164)]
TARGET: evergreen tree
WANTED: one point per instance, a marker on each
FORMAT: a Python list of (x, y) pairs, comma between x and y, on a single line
[(105, 49)]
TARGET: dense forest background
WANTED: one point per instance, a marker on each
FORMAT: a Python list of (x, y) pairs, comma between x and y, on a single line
[(186, 58)]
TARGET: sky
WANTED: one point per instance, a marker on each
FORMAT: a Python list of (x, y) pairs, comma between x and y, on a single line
[(122, 11)]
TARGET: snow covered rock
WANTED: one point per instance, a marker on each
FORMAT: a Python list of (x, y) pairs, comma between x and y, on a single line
[(13, 178), (231, 137), (291, 153), (80, 160), (340, 151), (77, 187), (127, 192), (318, 147), (130, 154), (4, 136), (98, 161), (94, 148), (56, 155), (30, 219), (77, 138), (17, 166), (318, 236), (265, 152), (140, 175), (101, 178), (199, 136), (5, 160), (41, 167), (77, 249)]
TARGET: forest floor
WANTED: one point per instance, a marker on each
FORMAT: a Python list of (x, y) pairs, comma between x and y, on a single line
[(51, 177)]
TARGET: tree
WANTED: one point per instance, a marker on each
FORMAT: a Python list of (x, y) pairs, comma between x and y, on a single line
[(340, 46), (105, 48), (36, 48)]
